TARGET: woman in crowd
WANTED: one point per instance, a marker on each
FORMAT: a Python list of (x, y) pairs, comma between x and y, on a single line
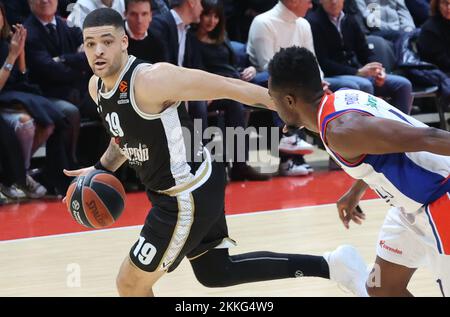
[(218, 58), (35, 119), (434, 39), (434, 46)]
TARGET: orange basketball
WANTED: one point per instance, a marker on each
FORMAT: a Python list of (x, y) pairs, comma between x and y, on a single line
[(96, 200)]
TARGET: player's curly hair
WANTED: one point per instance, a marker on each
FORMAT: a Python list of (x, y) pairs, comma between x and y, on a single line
[(103, 17), (296, 71)]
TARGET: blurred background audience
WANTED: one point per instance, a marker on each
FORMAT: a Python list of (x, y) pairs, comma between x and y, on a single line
[(389, 48)]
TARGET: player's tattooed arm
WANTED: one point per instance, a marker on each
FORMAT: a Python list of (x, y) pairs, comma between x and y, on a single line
[(113, 157)]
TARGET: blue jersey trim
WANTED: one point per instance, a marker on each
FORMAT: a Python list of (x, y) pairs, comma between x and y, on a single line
[(436, 237), (412, 180), (398, 114)]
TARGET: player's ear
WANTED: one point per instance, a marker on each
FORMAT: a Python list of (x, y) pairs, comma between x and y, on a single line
[(290, 100), (124, 42)]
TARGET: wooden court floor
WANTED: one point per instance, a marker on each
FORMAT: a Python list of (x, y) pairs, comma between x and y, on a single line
[(85, 264)]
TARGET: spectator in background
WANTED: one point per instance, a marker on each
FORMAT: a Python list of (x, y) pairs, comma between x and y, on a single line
[(17, 11), (419, 9), (388, 19), (83, 7), (218, 58), (34, 119), (434, 39), (17, 119), (160, 6), (344, 52), (171, 28), (65, 7), (138, 14), (240, 15), (283, 26), (57, 63), (181, 46), (12, 167), (145, 46)]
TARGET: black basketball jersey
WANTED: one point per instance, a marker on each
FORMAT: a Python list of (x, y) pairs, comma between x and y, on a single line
[(164, 149)]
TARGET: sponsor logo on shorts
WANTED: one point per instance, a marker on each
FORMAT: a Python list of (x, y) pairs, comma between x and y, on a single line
[(383, 245)]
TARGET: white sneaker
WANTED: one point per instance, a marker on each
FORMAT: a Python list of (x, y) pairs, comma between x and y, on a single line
[(295, 145), (3, 199), (33, 189), (348, 269), (308, 167), (12, 192), (289, 168)]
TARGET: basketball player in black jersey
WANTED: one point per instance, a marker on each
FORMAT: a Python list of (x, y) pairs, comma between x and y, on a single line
[(140, 107)]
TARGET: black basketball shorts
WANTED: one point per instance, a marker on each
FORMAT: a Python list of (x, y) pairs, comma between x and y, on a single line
[(185, 225)]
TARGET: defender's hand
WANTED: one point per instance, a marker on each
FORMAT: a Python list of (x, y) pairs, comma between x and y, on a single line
[(347, 208)]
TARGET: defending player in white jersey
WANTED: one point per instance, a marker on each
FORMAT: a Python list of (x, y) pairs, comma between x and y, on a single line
[(406, 162)]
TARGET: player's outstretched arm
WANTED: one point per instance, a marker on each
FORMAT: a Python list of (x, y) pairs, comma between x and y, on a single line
[(167, 82), (353, 135)]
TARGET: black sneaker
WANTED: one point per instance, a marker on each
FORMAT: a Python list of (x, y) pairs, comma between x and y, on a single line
[(242, 172)]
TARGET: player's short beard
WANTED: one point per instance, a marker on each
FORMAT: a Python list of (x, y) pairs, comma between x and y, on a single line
[(114, 68)]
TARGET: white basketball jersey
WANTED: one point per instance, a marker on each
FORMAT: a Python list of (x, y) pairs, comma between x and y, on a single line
[(408, 180)]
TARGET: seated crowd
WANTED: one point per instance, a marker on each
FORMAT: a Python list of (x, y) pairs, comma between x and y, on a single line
[(44, 76)]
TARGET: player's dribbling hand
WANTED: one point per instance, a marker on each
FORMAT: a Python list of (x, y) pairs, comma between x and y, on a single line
[(347, 208), (76, 173)]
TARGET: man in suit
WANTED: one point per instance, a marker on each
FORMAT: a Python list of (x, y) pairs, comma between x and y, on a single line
[(57, 63), (138, 14), (171, 28), (344, 53), (160, 6), (54, 51)]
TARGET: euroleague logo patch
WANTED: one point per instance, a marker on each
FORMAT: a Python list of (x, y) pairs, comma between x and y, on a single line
[(123, 86), (123, 96)]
